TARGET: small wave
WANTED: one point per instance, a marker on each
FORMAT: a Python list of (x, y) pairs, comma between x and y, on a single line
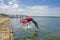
[(41, 28)]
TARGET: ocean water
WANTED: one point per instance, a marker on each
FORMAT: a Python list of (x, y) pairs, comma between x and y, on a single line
[(49, 29)]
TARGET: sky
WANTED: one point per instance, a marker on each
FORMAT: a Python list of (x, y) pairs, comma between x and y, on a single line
[(31, 7)]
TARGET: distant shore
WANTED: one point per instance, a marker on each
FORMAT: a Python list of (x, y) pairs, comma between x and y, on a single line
[(47, 16), (19, 16)]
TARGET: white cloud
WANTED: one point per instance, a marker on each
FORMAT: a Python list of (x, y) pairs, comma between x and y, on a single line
[(1, 0), (13, 1), (3, 7), (10, 3), (42, 11), (7, 7), (14, 8)]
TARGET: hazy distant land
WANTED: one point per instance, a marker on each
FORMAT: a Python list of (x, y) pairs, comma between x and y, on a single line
[(47, 16), (18, 16)]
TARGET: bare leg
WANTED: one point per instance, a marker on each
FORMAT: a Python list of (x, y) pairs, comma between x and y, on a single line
[(36, 25)]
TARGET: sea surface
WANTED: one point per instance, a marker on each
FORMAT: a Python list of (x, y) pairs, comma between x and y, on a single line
[(49, 29)]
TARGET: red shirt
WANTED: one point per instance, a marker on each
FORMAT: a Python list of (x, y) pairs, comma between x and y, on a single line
[(26, 20)]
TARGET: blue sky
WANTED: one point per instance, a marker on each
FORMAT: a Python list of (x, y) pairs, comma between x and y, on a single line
[(41, 2), (31, 7)]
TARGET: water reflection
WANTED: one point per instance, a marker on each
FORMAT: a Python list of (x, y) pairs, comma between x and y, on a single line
[(46, 32)]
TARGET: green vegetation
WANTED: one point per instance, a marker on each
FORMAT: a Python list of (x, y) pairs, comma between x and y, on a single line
[(12, 16), (31, 37), (3, 15)]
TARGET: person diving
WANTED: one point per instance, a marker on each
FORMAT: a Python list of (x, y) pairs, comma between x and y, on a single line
[(27, 20)]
